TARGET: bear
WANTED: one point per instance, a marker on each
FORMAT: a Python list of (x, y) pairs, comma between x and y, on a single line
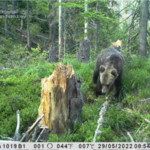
[(108, 72)]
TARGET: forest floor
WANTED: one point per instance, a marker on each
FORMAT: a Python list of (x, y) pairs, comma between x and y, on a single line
[(21, 90)]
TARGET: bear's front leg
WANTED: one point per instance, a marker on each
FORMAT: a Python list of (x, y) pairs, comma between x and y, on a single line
[(117, 88), (98, 90)]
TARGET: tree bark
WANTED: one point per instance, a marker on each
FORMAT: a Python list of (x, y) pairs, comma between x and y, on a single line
[(28, 27), (14, 5), (21, 29), (96, 29), (86, 22), (143, 27), (83, 54), (120, 6), (61, 100), (64, 33), (53, 52), (77, 36), (61, 53), (6, 18)]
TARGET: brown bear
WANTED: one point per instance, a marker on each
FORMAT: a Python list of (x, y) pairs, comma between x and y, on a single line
[(108, 72)]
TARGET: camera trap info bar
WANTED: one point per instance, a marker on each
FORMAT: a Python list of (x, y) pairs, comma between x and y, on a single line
[(72, 145)]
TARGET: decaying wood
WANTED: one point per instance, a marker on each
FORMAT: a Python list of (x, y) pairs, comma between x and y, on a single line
[(61, 105), (25, 136), (61, 99), (40, 135), (35, 133), (29, 135)]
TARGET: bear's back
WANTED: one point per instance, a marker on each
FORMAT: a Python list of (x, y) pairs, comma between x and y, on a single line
[(110, 55), (110, 51)]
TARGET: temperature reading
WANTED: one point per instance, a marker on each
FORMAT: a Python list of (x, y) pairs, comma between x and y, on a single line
[(68, 146)]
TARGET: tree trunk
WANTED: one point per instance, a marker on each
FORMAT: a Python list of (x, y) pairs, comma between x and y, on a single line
[(77, 37), (96, 30), (14, 5), (86, 22), (65, 32), (28, 27), (21, 28), (143, 27), (83, 54), (60, 33), (120, 5), (6, 18), (61, 100), (53, 52)]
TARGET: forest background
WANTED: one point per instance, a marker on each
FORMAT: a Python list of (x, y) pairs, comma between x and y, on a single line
[(34, 35)]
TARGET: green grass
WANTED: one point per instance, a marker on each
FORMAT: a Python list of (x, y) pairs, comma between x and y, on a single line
[(21, 90)]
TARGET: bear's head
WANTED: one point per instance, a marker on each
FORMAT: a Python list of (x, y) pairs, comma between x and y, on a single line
[(107, 78)]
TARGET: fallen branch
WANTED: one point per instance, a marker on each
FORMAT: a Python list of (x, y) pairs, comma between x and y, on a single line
[(6, 138), (130, 136), (144, 100), (100, 120), (148, 121), (139, 129), (40, 19), (40, 134), (31, 128), (42, 37), (35, 134), (17, 134), (3, 68)]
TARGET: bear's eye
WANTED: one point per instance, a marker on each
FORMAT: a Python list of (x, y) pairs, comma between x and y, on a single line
[(114, 72), (102, 69)]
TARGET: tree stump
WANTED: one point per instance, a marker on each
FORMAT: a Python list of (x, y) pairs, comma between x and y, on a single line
[(84, 51), (61, 99)]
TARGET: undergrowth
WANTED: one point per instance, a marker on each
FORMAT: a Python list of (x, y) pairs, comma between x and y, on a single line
[(21, 90)]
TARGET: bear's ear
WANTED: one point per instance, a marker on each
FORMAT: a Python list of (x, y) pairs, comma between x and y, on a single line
[(102, 68), (114, 73)]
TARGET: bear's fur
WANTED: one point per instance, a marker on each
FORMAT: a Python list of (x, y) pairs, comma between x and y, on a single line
[(108, 72)]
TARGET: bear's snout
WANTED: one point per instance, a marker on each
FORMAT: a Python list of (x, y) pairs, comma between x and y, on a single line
[(104, 90)]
